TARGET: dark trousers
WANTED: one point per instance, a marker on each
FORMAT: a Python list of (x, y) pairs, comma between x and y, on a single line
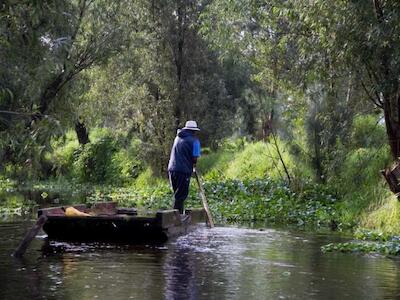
[(180, 185)]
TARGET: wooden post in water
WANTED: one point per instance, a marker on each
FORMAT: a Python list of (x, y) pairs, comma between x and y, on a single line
[(19, 252)]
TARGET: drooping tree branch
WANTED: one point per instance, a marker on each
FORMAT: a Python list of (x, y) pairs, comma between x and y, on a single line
[(374, 100)]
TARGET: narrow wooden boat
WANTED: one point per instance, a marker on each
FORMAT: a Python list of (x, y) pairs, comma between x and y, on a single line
[(107, 223)]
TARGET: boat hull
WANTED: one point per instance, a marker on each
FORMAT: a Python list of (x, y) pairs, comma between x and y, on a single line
[(119, 228)]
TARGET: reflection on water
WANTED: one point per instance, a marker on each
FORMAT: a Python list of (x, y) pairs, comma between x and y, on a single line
[(222, 263)]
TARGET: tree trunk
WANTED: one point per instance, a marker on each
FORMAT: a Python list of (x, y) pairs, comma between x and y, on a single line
[(392, 127), (388, 85), (81, 133), (317, 159), (179, 60), (177, 115), (267, 125)]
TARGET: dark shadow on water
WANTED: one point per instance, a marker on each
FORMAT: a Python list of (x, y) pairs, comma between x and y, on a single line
[(57, 248), (180, 276)]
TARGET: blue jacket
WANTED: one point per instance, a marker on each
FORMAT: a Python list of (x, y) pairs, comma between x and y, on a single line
[(186, 147)]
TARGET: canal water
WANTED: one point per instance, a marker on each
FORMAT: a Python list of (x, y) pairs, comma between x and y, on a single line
[(220, 263)]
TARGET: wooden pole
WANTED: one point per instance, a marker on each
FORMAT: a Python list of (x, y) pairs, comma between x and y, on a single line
[(19, 252), (204, 200)]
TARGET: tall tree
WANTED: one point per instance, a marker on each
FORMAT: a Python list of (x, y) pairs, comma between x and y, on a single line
[(175, 78), (296, 46), (45, 46)]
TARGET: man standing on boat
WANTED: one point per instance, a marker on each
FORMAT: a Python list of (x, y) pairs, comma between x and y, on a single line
[(183, 159)]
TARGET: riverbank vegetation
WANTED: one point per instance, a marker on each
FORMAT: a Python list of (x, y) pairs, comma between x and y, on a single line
[(297, 104), (245, 181)]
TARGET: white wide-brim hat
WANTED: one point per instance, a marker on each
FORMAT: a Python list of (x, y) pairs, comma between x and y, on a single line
[(191, 125)]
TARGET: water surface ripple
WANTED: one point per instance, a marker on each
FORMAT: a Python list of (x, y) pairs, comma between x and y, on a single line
[(221, 263)]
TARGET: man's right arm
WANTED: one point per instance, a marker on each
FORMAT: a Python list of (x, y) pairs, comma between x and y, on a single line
[(196, 152)]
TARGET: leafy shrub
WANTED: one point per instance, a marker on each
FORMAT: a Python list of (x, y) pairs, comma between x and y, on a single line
[(6, 184), (205, 150), (367, 132), (215, 163), (361, 168), (359, 182), (383, 216), (259, 160), (65, 152), (147, 180), (103, 160), (11, 171), (95, 163), (128, 162), (99, 133), (232, 144), (128, 167)]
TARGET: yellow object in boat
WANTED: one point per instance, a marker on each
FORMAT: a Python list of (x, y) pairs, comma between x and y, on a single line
[(73, 212)]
